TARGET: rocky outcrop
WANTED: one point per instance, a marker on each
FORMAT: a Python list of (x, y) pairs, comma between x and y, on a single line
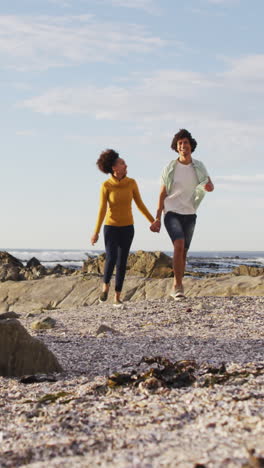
[(12, 269), (243, 270), (149, 265), (68, 292), (7, 259), (141, 263), (21, 354), (9, 267), (94, 265)]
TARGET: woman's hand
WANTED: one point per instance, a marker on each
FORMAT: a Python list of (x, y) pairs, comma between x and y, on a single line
[(94, 238), (155, 226)]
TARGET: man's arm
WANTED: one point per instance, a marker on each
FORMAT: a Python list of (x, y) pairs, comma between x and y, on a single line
[(163, 194)]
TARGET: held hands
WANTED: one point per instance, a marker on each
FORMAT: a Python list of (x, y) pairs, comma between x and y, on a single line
[(155, 226), (94, 238)]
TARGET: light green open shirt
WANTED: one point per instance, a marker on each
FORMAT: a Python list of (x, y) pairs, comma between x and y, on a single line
[(202, 176)]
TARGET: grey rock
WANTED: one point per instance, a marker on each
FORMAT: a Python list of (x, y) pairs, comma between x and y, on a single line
[(7, 259), (9, 315), (105, 329), (22, 354), (10, 273), (43, 324), (141, 263), (246, 270), (33, 262)]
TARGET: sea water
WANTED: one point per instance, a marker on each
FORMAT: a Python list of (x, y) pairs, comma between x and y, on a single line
[(204, 261)]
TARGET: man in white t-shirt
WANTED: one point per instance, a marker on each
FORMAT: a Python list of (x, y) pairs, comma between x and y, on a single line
[(184, 183)]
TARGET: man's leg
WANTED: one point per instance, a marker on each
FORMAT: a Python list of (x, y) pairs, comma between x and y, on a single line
[(179, 258), (189, 222), (184, 261), (173, 223)]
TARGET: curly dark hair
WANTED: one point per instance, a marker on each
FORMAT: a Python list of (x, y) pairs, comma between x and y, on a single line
[(106, 160), (183, 133)]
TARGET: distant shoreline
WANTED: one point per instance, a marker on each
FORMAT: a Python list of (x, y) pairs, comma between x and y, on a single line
[(204, 262)]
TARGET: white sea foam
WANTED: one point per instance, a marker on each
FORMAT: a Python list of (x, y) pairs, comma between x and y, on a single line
[(260, 260), (49, 258), (197, 261)]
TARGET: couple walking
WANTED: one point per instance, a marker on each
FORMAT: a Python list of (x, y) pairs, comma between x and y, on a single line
[(184, 182)]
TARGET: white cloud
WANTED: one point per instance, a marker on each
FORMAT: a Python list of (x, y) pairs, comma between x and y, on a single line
[(223, 2), (61, 3), (165, 100), (155, 97), (25, 133), (241, 179), (161, 96), (247, 72), (42, 42), (236, 183), (148, 6)]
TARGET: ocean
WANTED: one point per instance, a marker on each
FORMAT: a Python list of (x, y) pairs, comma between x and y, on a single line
[(204, 261)]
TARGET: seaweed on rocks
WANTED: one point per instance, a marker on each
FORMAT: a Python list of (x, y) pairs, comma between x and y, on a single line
[(161, 372)]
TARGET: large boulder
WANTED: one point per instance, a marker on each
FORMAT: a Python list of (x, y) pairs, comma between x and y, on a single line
[(245, 270), (34, 272), (33, 262), (9, 267), (149, 265), (22, 354), (7, 259), (94, 265), (9, 272), (140, 263), (13, 269)]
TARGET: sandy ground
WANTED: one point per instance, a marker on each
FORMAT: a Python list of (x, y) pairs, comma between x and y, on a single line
[(79, 421)]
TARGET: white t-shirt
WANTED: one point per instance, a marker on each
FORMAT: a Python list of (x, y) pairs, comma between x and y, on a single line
[(180, 199)]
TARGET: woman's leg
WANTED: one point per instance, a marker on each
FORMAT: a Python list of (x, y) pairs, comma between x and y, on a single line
[(111, 245), (126, 235)]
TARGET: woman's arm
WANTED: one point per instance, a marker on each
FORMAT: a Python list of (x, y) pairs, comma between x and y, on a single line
[(138, 200), (101, 214)]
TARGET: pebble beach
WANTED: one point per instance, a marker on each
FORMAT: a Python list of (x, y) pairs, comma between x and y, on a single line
[(83, 418)]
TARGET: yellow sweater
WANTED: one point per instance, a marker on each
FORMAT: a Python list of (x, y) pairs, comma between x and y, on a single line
[(118, 194)]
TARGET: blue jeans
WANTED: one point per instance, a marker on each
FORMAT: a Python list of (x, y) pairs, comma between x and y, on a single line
[(180, 227), (118, 240)]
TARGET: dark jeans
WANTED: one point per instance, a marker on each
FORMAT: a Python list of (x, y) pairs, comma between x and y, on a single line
[(180, 227), (118, 240)]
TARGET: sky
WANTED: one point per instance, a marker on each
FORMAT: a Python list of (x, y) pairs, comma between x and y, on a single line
[(80, 76)]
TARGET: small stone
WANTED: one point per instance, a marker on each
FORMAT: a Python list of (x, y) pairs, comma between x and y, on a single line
[(105, 329), (44, 324)]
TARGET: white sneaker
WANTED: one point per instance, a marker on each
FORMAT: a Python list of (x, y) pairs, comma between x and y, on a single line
[(118, 304), (177, 293)]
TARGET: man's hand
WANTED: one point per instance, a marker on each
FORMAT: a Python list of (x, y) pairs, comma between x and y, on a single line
[(94, 238), (155, 226), (209, 187)]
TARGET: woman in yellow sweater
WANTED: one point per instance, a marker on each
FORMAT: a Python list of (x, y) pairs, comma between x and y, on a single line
[(116, 198)]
